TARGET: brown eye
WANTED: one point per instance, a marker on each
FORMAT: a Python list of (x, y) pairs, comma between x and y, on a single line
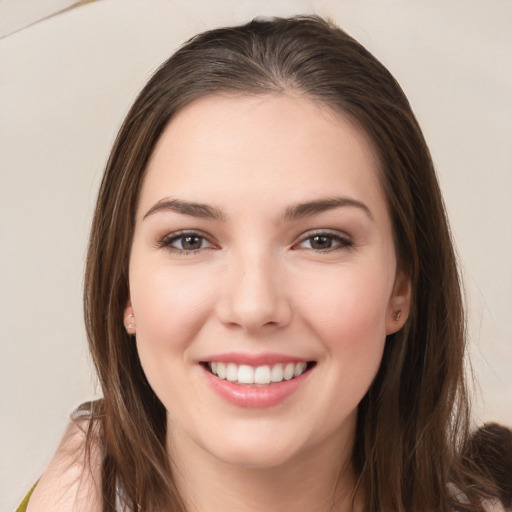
[(325, 242), (185, 243), (320, 242), (191, 242)]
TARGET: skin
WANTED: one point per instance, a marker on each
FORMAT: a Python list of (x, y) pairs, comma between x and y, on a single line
[(69, 483), (257, 282)]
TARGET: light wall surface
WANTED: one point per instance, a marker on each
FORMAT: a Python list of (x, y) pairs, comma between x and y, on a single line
[(67, 81)]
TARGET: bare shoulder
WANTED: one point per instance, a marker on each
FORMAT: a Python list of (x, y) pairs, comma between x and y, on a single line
[(72, 480)]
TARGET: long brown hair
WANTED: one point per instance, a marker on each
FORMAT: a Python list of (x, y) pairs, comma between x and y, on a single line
[(413, 422)]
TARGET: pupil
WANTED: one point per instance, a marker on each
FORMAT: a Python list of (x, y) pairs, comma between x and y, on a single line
[(191, 242), (321, 242)]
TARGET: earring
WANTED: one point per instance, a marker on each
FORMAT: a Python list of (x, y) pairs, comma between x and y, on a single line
[(397, 315), (130, 326)]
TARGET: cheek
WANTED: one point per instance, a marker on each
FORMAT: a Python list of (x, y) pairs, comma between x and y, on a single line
[(166, 299), (350, 297), (348, 311), (169, 308)]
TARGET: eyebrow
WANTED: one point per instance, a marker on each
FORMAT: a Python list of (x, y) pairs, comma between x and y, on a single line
[(187, 208), (301, 210), (294, 212)]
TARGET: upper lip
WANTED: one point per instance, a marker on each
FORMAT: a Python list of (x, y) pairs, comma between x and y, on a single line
[(261, 359)]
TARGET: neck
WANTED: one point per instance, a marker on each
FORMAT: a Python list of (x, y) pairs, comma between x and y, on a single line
[(318, 480)]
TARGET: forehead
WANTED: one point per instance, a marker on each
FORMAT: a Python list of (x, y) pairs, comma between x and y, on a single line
[(273, 146)]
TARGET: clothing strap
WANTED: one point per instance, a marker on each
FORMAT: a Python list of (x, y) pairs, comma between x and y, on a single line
[(24, 504)]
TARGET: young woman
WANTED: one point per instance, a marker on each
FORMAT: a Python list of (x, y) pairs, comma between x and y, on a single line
[(272, 298)]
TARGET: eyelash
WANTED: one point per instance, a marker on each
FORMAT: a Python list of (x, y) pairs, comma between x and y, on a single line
[(168, 240), (343, 242)]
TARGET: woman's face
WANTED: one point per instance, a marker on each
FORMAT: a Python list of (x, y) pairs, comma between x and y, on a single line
[(263, 277)]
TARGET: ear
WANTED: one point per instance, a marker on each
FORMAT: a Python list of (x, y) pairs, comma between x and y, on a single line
[(399, 305), (129, 318)]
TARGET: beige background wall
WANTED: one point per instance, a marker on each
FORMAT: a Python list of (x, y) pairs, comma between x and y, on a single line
[(67, 81)]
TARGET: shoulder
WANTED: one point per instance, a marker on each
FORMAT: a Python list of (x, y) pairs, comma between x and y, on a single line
[(488, 454), (72, 480)]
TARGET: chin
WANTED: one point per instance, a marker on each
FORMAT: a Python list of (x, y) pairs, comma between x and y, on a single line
[(255, 459), (264, 452)]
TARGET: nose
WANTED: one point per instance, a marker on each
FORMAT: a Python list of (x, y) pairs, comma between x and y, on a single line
[(254, 295)]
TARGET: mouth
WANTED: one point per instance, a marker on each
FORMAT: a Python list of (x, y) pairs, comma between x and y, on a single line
[(257, 376)]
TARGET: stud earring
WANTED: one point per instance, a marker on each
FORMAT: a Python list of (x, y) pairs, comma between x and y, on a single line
[(397, 315), (130, 326)]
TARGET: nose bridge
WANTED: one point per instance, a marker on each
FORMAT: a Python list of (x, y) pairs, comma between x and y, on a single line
[(254, 296)]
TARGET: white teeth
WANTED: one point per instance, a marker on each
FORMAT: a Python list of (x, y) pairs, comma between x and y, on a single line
[(300, 368), (289, 371), (245, 374), (232, 372), (260, 375), (276, 374), (221, 370)]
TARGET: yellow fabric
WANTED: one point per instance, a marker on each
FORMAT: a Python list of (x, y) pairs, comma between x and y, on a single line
[(24, 504)]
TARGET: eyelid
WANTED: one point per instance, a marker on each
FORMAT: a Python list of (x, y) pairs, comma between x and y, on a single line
[(345, 241), (167, 240)]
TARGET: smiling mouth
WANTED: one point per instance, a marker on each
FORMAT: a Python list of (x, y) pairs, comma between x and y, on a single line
[(264, 375)]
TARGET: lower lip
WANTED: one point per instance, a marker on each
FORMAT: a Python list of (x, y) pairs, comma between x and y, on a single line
[(255, 397)]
